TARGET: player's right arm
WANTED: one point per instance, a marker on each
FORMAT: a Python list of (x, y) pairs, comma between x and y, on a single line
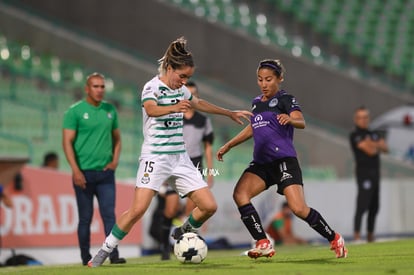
[(67, 143), (241, 137), (5, 198), (154, 110), (372, 147)]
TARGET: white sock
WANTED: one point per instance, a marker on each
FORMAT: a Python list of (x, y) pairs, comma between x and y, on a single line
[(110, 243)]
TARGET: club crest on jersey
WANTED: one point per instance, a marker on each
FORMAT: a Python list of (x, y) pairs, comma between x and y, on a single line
[(85, 116), (109, 115), (273, 102), (145, 179)]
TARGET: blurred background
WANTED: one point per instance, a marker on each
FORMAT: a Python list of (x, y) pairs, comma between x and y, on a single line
[(338, 55)]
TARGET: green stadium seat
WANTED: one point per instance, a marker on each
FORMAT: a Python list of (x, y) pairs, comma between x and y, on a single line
[(52, 85)]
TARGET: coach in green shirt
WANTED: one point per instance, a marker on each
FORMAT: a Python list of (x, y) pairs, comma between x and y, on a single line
[(92, 145)]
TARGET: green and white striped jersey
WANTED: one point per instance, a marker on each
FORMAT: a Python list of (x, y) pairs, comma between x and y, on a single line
[(163, 134)]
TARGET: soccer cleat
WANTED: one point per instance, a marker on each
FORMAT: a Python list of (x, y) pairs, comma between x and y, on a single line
[(99, 258), (338, 245), (165, 251), (179, 231), (263, 248), (118, 261)]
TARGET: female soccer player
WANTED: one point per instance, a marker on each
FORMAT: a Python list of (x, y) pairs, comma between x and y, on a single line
[(275, 115), (163, 156)]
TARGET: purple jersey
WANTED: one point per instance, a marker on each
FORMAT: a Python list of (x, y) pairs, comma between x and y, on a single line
[(272, 141)]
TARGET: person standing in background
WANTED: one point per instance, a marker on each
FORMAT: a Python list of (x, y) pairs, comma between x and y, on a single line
[(51, 160), (92, 146), (5, 198), (198, 137), (367, 146)]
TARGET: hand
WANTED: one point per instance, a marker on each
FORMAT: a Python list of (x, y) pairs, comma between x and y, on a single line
[(238, 115), (182, 106), (79, 179), (210, 179), (222, 151), (111, 166), (283, 119)]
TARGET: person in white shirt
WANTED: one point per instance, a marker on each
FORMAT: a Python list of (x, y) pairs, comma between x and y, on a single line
[(163, 158)]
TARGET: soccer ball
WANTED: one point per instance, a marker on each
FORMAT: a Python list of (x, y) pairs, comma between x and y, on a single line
[(190, 248)]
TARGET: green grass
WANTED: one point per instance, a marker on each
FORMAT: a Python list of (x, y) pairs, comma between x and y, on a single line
[(395, 257)]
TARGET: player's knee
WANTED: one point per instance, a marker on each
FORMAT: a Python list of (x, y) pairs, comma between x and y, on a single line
[(240, 198), (300, 211), (170, 213), (210, 209)]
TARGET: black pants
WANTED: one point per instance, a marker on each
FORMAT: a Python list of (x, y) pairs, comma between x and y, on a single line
[(367, 200)]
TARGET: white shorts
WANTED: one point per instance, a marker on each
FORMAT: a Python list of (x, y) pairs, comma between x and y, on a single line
[(177, 170)]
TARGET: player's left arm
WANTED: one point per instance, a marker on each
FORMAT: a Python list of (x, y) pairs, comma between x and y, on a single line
[(205, 106), (241, 137), (295, 118), (382, 145), (116, 149)]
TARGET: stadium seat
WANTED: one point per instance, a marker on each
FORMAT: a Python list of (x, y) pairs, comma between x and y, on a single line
[(378, 33), (52, 85)]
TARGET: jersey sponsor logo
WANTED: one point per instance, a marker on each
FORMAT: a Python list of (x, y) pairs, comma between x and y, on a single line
[(85, 116), (258, 118), (273, 102), (146, 92), (295, 103), (259, 122), (171, 123)]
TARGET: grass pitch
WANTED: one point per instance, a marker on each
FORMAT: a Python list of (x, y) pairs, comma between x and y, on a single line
[(396, 257)]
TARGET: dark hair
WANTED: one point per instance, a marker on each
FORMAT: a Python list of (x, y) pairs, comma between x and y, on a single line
[(176, 56), (51, 156), (191, 84), (361, 108), (273, 64)]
